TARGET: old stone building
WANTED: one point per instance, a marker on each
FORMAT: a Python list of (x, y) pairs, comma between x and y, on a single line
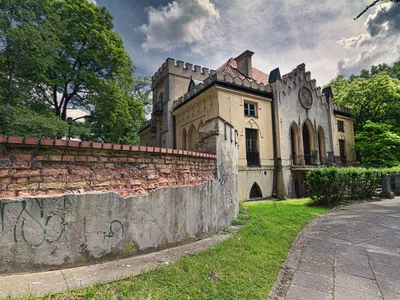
[(284, 125)]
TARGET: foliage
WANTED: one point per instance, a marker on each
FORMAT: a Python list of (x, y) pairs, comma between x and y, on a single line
[(392, 71), (21, 121), (378, 145), (330, 186), (28, 45), (243, 267), (376, 98), (61, 54), (243, 215)]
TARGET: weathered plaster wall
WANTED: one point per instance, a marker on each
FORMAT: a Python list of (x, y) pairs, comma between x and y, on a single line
[(184, 196), (74, 229)]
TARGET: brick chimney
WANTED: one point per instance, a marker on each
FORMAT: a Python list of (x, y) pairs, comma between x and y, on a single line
[(244, 63)]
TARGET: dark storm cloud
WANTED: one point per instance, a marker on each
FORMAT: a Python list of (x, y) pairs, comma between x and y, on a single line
[(380, 44)]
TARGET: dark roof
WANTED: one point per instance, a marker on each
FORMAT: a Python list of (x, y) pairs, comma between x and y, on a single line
[(230, 67), (328, 92), (274, 75), (193, 83)]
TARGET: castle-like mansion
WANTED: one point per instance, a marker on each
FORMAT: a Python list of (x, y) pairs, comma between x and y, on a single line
[(284, 125)]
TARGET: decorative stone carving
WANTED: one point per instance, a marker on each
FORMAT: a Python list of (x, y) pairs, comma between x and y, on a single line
[(305, 97)]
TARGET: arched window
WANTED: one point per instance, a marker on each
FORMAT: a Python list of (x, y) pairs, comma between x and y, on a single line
[(294, 142), (255, 191), (192, 138), (184, 139), (308, 142), (322, 148)]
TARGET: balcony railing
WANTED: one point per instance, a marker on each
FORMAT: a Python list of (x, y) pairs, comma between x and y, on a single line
[(253, 158), (158, 108), (304, 160)]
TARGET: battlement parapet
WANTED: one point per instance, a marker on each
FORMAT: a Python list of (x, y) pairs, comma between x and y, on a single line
[(300, 77), (227, 78), (180, 68), (341, 109)]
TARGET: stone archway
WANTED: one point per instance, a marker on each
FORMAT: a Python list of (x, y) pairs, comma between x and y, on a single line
[(255, 191)]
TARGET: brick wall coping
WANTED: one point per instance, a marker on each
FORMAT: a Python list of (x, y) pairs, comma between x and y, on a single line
[(19, 140)]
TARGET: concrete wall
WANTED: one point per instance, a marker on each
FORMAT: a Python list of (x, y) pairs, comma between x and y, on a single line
[(69, 230), (79, 226)]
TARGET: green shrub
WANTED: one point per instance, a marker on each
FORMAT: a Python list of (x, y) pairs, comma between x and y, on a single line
[(329, 186)]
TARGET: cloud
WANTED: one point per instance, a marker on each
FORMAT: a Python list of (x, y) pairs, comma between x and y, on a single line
[(93, 1), (379, 45), (178, 23)]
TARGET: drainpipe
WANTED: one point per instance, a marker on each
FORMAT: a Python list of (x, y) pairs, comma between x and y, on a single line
[(274, 181)]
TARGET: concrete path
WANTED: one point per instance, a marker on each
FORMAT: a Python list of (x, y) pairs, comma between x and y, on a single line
[(38, 284), (350, 253)]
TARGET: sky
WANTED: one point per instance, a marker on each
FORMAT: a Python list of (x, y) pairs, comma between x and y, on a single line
[(320, 33)]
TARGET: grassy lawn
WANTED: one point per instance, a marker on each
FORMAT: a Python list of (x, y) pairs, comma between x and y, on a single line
[(243, 267)]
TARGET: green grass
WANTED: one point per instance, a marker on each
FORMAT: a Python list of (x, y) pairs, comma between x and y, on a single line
[(243, 267)]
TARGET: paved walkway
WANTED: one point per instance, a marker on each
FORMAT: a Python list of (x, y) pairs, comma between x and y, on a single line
[(350, 253)]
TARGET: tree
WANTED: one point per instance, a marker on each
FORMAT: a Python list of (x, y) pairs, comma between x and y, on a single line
[(378, 145), (60, 54), (28, 43), (116, 121), (92, 54), (376, 99)]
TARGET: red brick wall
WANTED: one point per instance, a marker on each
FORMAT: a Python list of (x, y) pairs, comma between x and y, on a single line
[(31, 167)]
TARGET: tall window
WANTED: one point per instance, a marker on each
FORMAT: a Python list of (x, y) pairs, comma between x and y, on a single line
[(250, 109), (340, 126), (252, 155), (342, 150)]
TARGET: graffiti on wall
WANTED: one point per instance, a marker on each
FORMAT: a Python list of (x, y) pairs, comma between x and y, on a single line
[(36, 224)]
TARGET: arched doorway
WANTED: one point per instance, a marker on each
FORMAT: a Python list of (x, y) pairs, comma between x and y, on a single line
[(294, 142), (192, 138), (321, 145), (255, 191)]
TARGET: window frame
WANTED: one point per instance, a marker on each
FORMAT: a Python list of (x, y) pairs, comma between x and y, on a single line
[(252, 153), (340, 126), (247, 107)]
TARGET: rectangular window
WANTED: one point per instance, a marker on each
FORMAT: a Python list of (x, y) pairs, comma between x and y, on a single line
[(340, 126), (250, 109), (252, 155)]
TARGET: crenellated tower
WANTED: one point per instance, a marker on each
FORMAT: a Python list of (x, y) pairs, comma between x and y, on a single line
[(170, 82)]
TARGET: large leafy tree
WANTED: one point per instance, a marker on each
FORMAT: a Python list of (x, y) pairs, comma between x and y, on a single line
[(63, 54), (370, 97), (378, 145), (28, 44), (92, 54), (373, 97)]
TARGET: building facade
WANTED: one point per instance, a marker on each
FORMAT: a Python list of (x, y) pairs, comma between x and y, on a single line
[(284, 125)]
